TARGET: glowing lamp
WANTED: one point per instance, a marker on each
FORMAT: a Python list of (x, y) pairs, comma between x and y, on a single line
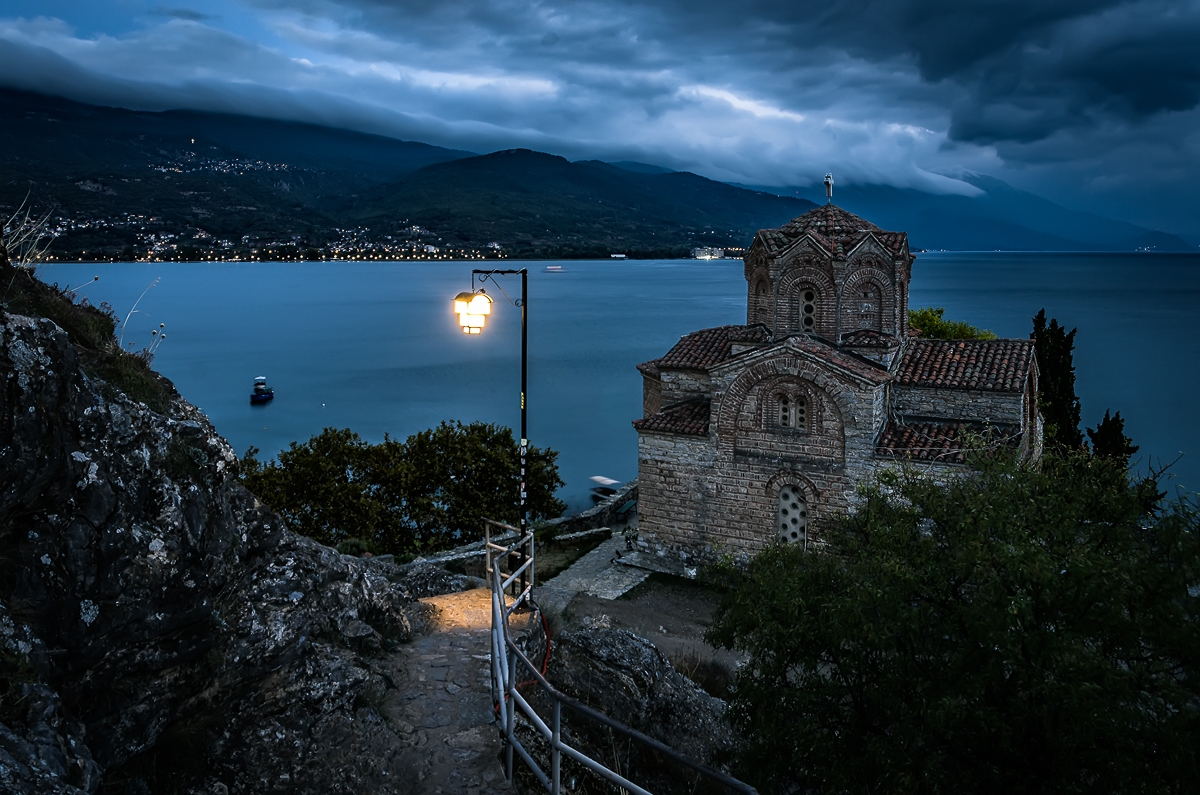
[(472, 310)]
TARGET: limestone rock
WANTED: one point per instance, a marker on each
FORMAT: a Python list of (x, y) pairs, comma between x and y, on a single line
[(154, 599), (627, 678)]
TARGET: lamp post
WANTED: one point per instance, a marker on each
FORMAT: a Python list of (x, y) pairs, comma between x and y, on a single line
[(473, 309)]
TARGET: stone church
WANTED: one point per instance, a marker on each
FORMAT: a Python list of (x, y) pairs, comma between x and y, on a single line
[(758, 432)]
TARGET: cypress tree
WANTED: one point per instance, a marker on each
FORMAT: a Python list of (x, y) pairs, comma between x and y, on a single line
[(1109, 439), (1054, 346)]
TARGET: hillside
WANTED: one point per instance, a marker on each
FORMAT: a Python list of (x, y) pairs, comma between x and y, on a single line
[(542, 205), (184, 185)]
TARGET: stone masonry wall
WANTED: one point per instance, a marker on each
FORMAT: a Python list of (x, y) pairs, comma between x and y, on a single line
[(651, 395), (1007, 408), (679, 385), (703, 497)]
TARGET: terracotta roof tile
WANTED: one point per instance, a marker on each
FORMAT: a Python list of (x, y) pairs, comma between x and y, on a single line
[(847, 361), (702, 349), (931, 440), (834, 230), (689, 418), (987, 365), (923, 441), (649, 368)]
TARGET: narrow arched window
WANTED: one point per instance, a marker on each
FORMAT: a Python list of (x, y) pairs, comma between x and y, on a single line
[(808, 309), (791, 516), (791, 411)]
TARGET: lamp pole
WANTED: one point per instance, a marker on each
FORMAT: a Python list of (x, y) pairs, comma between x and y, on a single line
[(473, 307)]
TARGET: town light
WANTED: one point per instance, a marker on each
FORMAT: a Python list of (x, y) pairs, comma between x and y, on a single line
[(472, 310)]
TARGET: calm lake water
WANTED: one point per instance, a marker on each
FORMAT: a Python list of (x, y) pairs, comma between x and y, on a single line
[(374, 346)]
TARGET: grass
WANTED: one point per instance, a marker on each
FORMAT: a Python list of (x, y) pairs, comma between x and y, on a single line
[(706, 671), (91, 330), (554, 557)]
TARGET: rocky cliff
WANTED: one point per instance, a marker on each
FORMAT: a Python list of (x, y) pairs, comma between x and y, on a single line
[(160, 629)]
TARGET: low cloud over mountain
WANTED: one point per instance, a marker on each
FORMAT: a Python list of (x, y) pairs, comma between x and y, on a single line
[(1093, 104)]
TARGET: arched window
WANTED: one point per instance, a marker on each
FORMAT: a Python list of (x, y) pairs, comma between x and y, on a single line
[(867, 307), (760, 302), (791, 411), (791, 518), (808, 310)]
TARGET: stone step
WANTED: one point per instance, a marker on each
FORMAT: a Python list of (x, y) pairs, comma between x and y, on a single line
[(616, 582)]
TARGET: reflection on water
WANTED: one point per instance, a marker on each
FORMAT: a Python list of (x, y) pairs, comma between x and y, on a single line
[(375, 347)]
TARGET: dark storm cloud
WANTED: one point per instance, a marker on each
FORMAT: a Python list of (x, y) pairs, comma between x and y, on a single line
[(180, 13), (905, 92)]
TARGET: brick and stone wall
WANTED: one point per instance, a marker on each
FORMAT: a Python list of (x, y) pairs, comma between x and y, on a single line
[(970, 405), (706, 496)]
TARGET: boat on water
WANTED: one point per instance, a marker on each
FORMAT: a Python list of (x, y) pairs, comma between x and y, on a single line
[(262, 393), (555, 269)]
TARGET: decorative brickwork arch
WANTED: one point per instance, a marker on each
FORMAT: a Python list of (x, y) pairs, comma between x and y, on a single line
[(806, 301), (868, 300), (760, 302), (808, 406), (741, 409)]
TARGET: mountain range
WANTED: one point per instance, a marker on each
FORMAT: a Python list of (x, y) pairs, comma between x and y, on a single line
[(126, 183), (126, 178)]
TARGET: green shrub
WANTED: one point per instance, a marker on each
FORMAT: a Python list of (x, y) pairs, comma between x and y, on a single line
[(931, 323), (1025, 629)]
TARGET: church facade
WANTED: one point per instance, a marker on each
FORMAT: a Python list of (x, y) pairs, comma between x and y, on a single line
[(758, 432)]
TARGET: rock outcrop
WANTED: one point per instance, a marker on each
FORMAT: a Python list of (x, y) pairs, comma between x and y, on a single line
[(627, 678), (155, 615)]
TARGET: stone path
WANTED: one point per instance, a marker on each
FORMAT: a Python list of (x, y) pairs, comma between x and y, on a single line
[(443, 701), (597, 574)]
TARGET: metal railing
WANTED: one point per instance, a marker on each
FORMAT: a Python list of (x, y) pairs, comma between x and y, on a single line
[(507, 658)]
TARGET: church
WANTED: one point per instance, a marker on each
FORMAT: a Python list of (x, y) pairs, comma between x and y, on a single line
[(759, 432)]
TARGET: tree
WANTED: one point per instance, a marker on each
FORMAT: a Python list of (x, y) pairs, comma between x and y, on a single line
[(931, 323), (1054, 347), (1019, 630), (1109, 439), (321, 487), (431, 491)]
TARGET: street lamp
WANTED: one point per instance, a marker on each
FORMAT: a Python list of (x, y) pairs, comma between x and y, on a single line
[(473, 309)]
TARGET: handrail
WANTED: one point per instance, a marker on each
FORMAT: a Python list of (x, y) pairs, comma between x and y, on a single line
[(628, 731), (505, 657)]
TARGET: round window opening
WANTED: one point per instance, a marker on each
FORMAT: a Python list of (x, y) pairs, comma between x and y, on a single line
[(791, 521)]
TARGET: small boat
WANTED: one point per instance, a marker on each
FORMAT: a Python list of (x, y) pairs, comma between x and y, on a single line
[(262, 393), (555, 269)]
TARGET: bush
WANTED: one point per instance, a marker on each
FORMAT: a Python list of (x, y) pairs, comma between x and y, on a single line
[(931, 323), (430, 492), (1024, 629)]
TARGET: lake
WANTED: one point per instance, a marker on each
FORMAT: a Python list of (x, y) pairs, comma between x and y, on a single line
[(375, 347)]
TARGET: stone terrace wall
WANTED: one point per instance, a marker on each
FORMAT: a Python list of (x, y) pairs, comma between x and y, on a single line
[(973, 405)]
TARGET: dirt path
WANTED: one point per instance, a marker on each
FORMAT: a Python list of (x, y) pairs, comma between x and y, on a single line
[(443, 701)]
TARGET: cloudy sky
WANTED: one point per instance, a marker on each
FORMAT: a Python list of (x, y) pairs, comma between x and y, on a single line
[(1093, 104)]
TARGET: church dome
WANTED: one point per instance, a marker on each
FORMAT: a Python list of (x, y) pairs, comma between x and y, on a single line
[(833, 229)]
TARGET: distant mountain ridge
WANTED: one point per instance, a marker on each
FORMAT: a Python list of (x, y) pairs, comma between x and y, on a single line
[(128, 180), (188, 183), (551, 206), (1001, 218)]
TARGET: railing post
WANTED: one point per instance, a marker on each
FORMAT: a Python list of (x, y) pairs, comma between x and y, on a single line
[(555, 754), (510, 728)]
